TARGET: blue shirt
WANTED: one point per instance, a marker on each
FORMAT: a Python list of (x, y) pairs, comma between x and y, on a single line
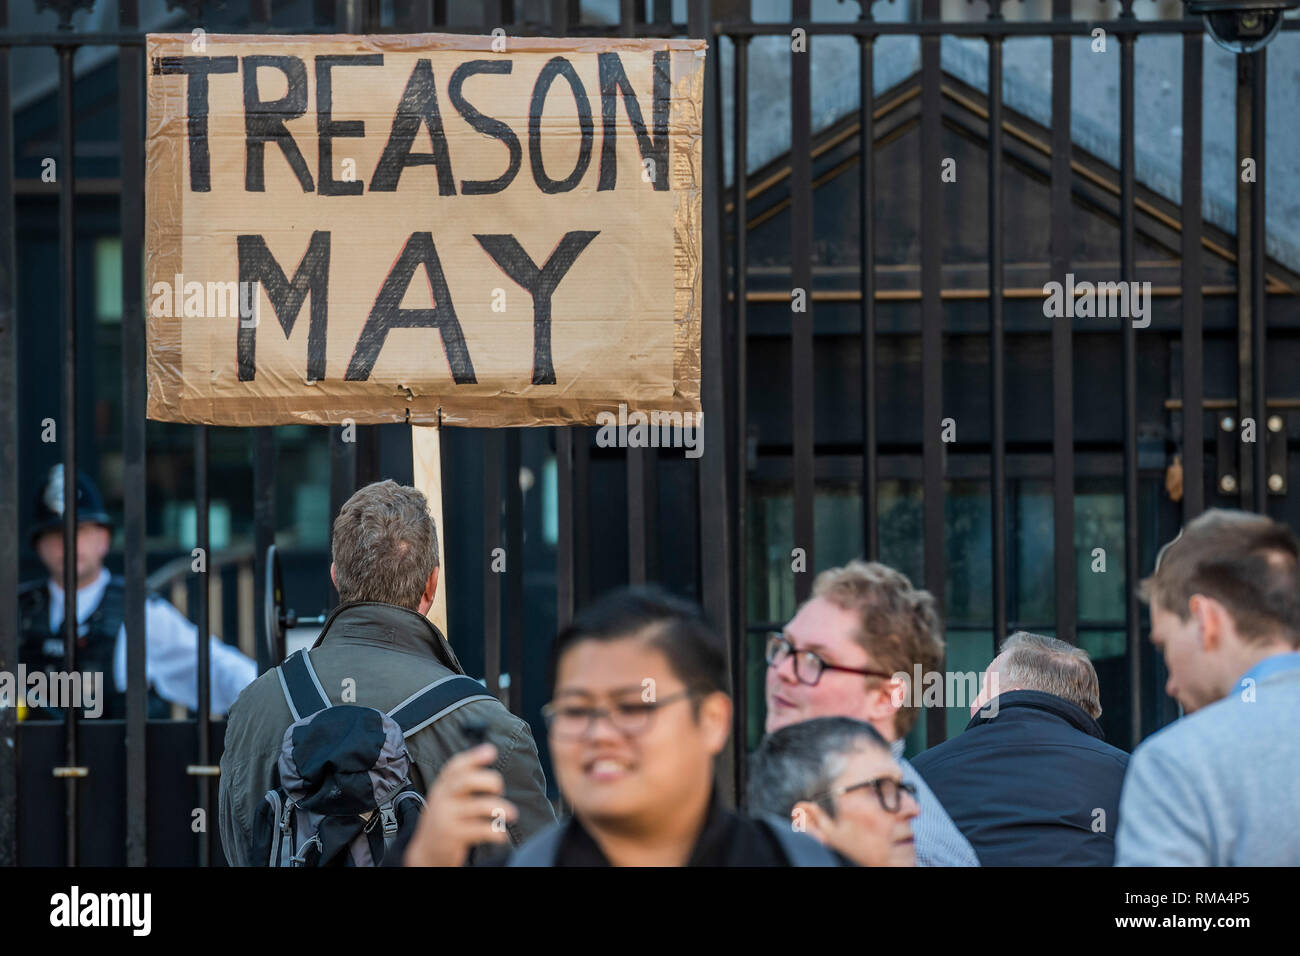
[(171, 649), (1269, 666)]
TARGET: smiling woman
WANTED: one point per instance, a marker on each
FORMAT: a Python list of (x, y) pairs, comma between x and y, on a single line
[(639, 715)]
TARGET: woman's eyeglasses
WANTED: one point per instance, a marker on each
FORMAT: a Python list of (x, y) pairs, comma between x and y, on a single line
[(630, 718), (888, 791)]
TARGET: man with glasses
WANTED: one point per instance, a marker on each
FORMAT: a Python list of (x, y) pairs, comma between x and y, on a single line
[(835, 778), (640, 713), (848, 652)]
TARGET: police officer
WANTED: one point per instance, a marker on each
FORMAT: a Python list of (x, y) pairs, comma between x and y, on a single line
[(171, 640)]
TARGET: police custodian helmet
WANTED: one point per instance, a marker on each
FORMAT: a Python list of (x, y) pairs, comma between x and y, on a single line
[(49, 503)]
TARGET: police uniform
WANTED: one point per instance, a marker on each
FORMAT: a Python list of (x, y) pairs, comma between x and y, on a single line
[(171, 640)]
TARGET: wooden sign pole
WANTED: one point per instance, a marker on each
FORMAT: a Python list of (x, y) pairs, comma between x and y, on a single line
[(426, 450)]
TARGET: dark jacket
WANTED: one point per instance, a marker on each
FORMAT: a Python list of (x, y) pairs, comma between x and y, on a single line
[(726, 839), (1035, 785), (389, 653)]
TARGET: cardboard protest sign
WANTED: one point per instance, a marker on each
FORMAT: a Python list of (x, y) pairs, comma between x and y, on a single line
[(483, 230)]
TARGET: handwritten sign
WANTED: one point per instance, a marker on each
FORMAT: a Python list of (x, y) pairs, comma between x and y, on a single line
[(480, 230)]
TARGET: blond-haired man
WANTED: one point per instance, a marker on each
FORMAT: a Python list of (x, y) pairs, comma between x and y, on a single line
[(841, 656)]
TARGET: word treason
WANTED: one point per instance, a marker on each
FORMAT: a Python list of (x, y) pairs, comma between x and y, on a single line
[(264, 122)]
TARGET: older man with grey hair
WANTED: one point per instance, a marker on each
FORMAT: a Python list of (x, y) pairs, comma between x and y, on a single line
[(377, 650), (835, 779), (1032, 782)]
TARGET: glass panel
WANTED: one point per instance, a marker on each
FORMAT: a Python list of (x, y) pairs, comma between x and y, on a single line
[(968, 547), (108, 279), (1031, 595), (1031, 601), (1099, 553), (969, 652)]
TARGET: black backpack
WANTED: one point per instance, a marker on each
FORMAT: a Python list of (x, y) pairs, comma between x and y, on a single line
[(343, 791)]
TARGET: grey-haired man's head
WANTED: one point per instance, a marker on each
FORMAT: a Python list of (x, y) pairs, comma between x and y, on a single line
[(385, 547), (1036, 662)]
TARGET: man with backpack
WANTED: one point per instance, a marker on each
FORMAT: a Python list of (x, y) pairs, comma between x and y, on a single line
[(328, 756), (639, 714)]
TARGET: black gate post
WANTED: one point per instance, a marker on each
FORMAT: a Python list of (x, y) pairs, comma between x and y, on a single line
[(130, 79), (8, 467), (715, 525)]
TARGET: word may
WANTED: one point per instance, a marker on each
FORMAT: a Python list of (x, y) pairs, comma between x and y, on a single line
[(102, 909), (76, 690), (1115, 300), (258, 266), (264, 122), (656, 430)]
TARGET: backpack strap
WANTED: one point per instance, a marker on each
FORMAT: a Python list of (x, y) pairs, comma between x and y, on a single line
[(302, 689), (542, 848), (799, 848), (436, 700)]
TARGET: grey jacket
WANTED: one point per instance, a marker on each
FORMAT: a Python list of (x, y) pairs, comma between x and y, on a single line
[(389, 653), (1220, 787)]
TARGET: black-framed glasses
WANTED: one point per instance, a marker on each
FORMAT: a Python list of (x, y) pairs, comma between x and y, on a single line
[(808, 666), (630, 718), (888, 791)]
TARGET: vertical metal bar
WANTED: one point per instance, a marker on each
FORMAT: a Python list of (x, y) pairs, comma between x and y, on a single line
[(1062, 337), (1259, 256), (423, 15), (997, 355), (349, 15), (639, 461), (564, 527), (514, 572), (8, 463), (264, 522), (740, 180), (130, 71), (259, 14), (663, 11), (1245, 253), (497, 13), (204, 669), (1193, 370), (1127, 267), (581, 516), (867, 279), (715, 515), (561, 17), (68, 431), (932, 452), (801, 323), (492, 446)]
